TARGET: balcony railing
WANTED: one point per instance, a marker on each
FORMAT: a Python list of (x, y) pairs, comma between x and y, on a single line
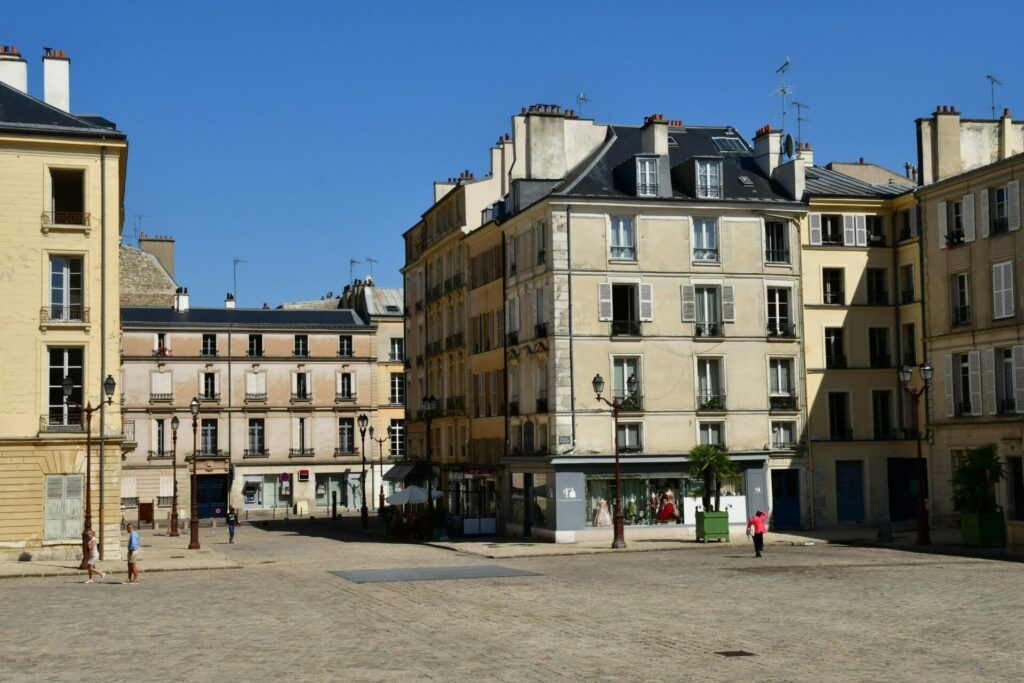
[(66, 218), (629, 402), (776, 256), (209, 397), (344, 396), (408, 363), (541, 254), (55, 314), (910, 357), (961, 315), (878, 298), (261, 452), (301, 396), (835, 361), (345, 450), (162, 352), (712, 329), (963, 408), (1000, 226), (631, 448), (210, 452), (880, 361), (161, 398), (833, 298), (396, 356), (159, 454), (57, 422), (779, 445), (709, 255), (296, 452), (208, 353), (905, 234), (907, 296), (454, 341), (647, 189), (254, 353), (885, 434), (781, 330), (513, 407), (540, 330), (1006, 406), (345, 352), (711, 402), (954, 238), (783, 403), (876, 240), (256, 397), (625, 328)]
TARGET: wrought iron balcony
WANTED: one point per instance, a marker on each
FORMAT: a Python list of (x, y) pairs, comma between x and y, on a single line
[(1000, 225), (711, 402), (301, 396), (255, 397), (881, 361), (512, 338), (712, 329), (842, 434), (296, 452), (344, 396), (783, 403), (647, 189), (878, 298), (626, 328), (876, 240), (961, 315), (541, 256), (884, 434), (57, 314), (542, 404), (907, 296), (209, 396), (954, 238), (255, 452), (254, 353), (210, 452), (708, 255), (161, 398), (629, 402), (162, 352), (208, 353), (78, 218), (781, 330), (455, 403), (964, 409), (631, 448), (345, 450), (159, 454), (300, 353), (1006, 406), (833, 298), (776, 255), (783, 445)]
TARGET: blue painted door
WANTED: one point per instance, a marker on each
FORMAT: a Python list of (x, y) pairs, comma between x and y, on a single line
[(850, 490), (785, 499), (212, 495)]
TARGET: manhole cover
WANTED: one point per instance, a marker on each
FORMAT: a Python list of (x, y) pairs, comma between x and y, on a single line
[(736, 653)]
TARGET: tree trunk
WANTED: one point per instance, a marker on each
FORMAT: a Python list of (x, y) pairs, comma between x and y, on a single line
[(707, 491), (718, 493)]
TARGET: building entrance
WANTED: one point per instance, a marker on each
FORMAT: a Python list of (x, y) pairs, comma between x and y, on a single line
[(212, 495), (786, 499), (903, 487)]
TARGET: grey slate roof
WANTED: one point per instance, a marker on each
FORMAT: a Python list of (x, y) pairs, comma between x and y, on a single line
[(24, 114), (823, 182), (596, 177), (241, 317)]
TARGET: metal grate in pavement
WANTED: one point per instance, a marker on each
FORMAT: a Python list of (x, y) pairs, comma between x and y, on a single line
[(736, 653), (430, 573)]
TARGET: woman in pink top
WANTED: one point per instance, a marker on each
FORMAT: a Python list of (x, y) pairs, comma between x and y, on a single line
[(760, 524)]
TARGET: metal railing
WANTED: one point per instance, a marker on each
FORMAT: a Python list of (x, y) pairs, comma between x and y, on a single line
[(878, 298), (842, 434), (300, 353), (711, 402), (256, 397), (629, 402), (301, 396), (455, 403), (783, 403), (783, 445), (961, 315), (161, 398), (625, 328), (884, 434), (209, 397), (776, 255), (541, 255), (647, 189), (300, 452), (344, 396), (907, 296), (781, 330), (159, 454), (542, 404), (712, 329), (66, 218), (833, 298), (345, 450), (208, 353), (254, 353), (1000, 226), (876, 240), (705, 254), (512, 338), (255, 453), (1006, 405), (59, 313), (881, 361), (963, 408)]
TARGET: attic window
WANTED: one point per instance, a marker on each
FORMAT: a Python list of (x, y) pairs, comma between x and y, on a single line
[(709, 179), (646, 177), (672, 142), (730, 144), (746, 181)]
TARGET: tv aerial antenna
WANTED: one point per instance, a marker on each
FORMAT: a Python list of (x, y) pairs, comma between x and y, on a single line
[(138, 226), (993, 82), (371, 261), (234, 277), (783, 90), (800, 119), (581, 99), (351, 266)]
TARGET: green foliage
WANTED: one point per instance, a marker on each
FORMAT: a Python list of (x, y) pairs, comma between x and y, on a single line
[(713, 466), (975, 476)]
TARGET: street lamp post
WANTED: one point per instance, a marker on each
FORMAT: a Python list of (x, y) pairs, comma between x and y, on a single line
[(67, 386), (193, 522), (616, 405), (380, 462), (364, 512), (427, 407), (174, 468), (923, 534)]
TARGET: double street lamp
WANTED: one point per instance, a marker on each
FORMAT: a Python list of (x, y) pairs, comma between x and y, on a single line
[(68, 386), (364, 512), (923, 535), (380, 459), (174, 468), (427, 407), (616, 405), (193, 522)]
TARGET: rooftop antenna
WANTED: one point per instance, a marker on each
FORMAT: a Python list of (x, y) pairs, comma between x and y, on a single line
[(993, 82), (800, 118), (581, 99), (138, 226), (351, 265), (234, 276), (783, 90), (371, 261)]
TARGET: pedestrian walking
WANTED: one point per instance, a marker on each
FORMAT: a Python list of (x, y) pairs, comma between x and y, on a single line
[(759, 523), (94, 556), (134, 545), (232, 523)]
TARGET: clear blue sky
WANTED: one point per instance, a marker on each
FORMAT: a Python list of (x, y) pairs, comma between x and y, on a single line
[(299, 135)]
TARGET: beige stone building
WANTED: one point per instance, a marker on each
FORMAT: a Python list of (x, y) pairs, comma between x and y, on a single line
[(147, 272), (971, 226), (62, 193)]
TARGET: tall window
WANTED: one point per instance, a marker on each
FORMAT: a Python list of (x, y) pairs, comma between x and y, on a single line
[(831, 229), (623, 369), (960, 298), (776, 246), (628, 434), (835, 354), (397, 438), (66, 289), (780, 376), (512, 249), (839, 416), (709, 384), (878, 286), (647, 177), (346, 435), (397, 348), (345, 385), (208, 437), (956, 211), (161, 437), (397, 396), (209, 347), (255, 345), (67, 196), (705, 240), (876, 230), (962, 384), (909, 344), (709, 179), (881, 411), (209, 385), (1005, 385), (301, 438), (708, 311), (623, 244), (1002, 290), (345, 345), (711, 434), (65, 362), (832, 286), (1000, 215), (257, 440), (778, 312), (301, 389), (301, 347), (783, 434), (907, 284), (878, 347)]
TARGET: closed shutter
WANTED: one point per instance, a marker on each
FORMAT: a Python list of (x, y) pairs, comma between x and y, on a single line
[(1008, 298), (200, 391), (815, 228), (1018, 378), (990, 381), (997, 291), (160, 383), (646, 302), (974, 368), (728, 304), (73, 523), (295, 383), (604, 301), (940, 222), (339, 383), (216, 383), (166, 487), (849, 230), (1013, 204), (129, 487), (860, 223), (983, 198), (689, 303), (250, 383), (947, 376), (54, 520), (261, 383), (968, 208)]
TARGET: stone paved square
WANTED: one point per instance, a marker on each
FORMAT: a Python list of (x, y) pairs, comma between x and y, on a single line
[(817, 613)]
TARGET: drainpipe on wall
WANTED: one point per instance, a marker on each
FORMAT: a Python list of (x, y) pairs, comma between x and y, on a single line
[(103, 333), (572, 369)]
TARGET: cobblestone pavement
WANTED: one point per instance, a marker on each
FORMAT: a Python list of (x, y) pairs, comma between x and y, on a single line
[(816, 613)]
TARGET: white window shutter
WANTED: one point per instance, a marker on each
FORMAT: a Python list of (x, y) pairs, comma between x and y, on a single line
[(216, 383), (166, 486), (974, 368), (261, 383), (604, 301), (983, 198), (73, 493), (250, 383), (860, 223), (1018, 378), (941, 223), (1013, 204), (990, 381), (200, 390), (54, 506), (338, 382), (129, 487), (728, 304), (646, 302), (295, 383), (849, 231), (997, 291), (815, 228), (913, 220), (689, 303), (968, 208), (1008, 296), (947, 375)]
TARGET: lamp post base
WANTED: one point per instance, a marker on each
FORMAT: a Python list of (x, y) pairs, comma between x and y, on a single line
[(174, 525), (193, 543), (923, 534), (365, 517), (620, 533), (85, 550), (381, 504)]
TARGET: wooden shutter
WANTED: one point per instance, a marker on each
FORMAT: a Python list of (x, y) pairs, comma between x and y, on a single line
[(940, 221), (815, 228), (129, 487), (166, 486), (604, 301), (216, 383), (974, 368), (54, 506), (860, 223), (983, 198), (849, 230), (968, 217), (1008, 297), (947, 374), (1018, 378), (728, 304), (1013, 204), (646, 302), (689, 303), (295, 383), (261, 383), (339, 383), (997, 291), (990, 381), (73, 485)]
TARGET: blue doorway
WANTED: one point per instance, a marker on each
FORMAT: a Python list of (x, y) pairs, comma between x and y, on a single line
[(785, 499), (212, 495), (850, 490)]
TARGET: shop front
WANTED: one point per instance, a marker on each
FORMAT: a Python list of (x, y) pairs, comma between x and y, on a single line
[(470, 501)]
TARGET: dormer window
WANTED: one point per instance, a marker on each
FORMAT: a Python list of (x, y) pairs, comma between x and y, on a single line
[(647, 177), (709, 179)]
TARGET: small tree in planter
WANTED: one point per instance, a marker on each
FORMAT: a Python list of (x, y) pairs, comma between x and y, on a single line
[(712, 465), (975, 476)]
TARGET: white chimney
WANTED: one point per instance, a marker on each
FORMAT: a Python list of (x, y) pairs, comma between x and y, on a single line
[(229, 300), (13, 69), (768, 149), (57, 79), (181, 300)]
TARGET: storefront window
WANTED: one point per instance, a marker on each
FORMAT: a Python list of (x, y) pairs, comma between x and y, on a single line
[(647, 499), (517, 495), (540, 500)]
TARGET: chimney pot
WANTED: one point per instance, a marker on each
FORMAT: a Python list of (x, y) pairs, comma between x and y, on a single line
[(952, 109), (1006, 112)]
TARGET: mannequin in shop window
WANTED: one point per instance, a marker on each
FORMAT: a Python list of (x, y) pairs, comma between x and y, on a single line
[(668, 513), (602, 516)]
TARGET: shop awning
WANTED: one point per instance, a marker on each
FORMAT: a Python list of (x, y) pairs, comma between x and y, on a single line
[(404, 471)]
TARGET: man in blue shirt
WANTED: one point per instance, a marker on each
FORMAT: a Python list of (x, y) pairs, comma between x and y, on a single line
[(133, 554)]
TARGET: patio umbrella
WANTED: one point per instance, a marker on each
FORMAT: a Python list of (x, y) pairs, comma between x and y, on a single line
[(411, 495)]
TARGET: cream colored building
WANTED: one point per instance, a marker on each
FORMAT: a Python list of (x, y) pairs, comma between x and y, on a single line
[(971, 225), (62, 193)]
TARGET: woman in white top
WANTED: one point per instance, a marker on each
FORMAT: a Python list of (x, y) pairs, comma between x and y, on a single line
[(94, 557)]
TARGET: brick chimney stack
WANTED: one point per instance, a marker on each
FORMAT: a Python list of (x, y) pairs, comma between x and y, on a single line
[(13, 68)]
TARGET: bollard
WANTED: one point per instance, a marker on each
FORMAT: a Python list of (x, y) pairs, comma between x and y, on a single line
[(334, 504)]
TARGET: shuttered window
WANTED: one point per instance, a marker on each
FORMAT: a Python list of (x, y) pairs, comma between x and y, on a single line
[(63, 514), (1002, 290)]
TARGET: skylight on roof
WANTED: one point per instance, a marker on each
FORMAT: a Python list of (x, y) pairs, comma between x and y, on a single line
[(746, 181), (730, 144), (672, 142)]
